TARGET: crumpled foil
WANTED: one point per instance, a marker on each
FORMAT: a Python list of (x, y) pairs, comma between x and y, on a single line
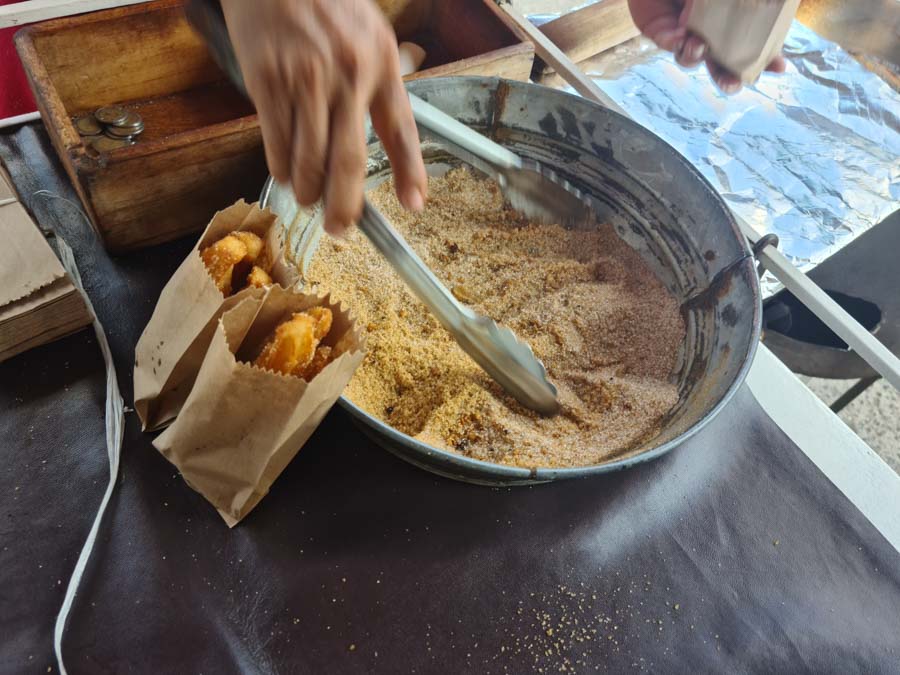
[(812, 155)]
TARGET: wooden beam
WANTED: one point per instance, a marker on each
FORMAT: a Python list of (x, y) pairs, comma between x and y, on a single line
[(590, 30), (33, 11), (562, 64)]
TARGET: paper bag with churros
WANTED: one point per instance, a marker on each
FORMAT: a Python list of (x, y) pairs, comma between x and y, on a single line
[(238, 256), (275, 365)]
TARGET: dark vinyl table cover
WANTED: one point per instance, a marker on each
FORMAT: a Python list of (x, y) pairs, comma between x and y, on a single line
[(733, 553)]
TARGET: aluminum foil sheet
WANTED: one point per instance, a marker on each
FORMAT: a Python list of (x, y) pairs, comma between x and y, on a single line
[(812, 155)]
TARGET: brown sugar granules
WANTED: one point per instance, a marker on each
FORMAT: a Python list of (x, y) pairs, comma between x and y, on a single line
[(592, 311)]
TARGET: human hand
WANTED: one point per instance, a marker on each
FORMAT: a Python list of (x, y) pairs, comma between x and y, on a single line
[(313, 69), (663, 21)]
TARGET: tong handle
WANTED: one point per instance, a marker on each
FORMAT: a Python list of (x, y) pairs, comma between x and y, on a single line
[(445, 127)]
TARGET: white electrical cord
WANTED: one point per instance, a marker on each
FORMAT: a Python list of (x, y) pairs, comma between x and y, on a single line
[(115, 424)]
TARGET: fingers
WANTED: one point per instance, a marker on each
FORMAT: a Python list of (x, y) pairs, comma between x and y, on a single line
[(311, 124), (725, 81), (664, 22), (666, 32), (731, 84), (692, 52), (346, 166), (394, 123), (778, 65), (276, 123)]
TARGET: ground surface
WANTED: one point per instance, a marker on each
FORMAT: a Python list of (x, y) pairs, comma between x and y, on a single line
[(874, 415)]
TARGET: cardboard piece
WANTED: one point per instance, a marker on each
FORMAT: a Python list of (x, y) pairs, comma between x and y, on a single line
[(174, 343), (7, 192), (27, 263), (743, 36), (38, 301), (241, 425)]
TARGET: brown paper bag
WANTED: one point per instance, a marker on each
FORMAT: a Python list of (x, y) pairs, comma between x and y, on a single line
[(169, 353), (743, 35), (241, 425)]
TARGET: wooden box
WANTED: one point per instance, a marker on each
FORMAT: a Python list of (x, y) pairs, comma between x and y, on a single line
[(201, 149)]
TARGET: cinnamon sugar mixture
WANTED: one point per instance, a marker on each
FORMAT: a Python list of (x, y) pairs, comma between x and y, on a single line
[(592, 311)]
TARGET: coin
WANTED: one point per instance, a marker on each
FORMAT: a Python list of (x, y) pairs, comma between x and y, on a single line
[(116, 132), (88, 126), (107, 144), (132, 121), (111, 114), (126, 131)]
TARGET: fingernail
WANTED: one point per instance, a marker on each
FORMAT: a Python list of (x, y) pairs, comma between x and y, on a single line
[(337, 230), (730, 87), (414, 200), (697, 51), (667, 39)]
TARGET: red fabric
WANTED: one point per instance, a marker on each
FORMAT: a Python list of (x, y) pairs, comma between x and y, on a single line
[(15, 95)]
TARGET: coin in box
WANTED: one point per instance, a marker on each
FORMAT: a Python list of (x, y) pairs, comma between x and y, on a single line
[(132, 121), (88, 126), (111, 114), (107, 144)]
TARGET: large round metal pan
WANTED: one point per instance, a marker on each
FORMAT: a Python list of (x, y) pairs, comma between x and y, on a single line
[(658, 203)]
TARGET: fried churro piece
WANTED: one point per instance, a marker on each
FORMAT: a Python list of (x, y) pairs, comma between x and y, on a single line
[(259, 277), (320, 359), (253, 242), (255, 253), (323, 318), (292, 345), (229, 259), (220, 259)]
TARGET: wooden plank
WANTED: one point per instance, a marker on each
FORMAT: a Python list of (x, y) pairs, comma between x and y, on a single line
[(512, 63), (148, 199), (562, 64), (32, 11), (590, 30), (126, 54)]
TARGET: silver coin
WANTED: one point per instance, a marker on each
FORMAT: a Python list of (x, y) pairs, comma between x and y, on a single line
[(132, 121), (107, 144), (88, 126), (116, 132), (111, 114)]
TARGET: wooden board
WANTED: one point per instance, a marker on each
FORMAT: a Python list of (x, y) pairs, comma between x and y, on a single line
[(467, 37), (593, 29), (31, 11)]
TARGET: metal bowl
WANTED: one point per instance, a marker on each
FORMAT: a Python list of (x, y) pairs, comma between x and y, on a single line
[(658, 203)]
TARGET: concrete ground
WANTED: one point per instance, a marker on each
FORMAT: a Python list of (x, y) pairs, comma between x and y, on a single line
[(874, 415)]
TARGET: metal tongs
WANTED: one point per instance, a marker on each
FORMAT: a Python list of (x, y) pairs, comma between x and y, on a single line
[(539, 194), (536, 192)]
